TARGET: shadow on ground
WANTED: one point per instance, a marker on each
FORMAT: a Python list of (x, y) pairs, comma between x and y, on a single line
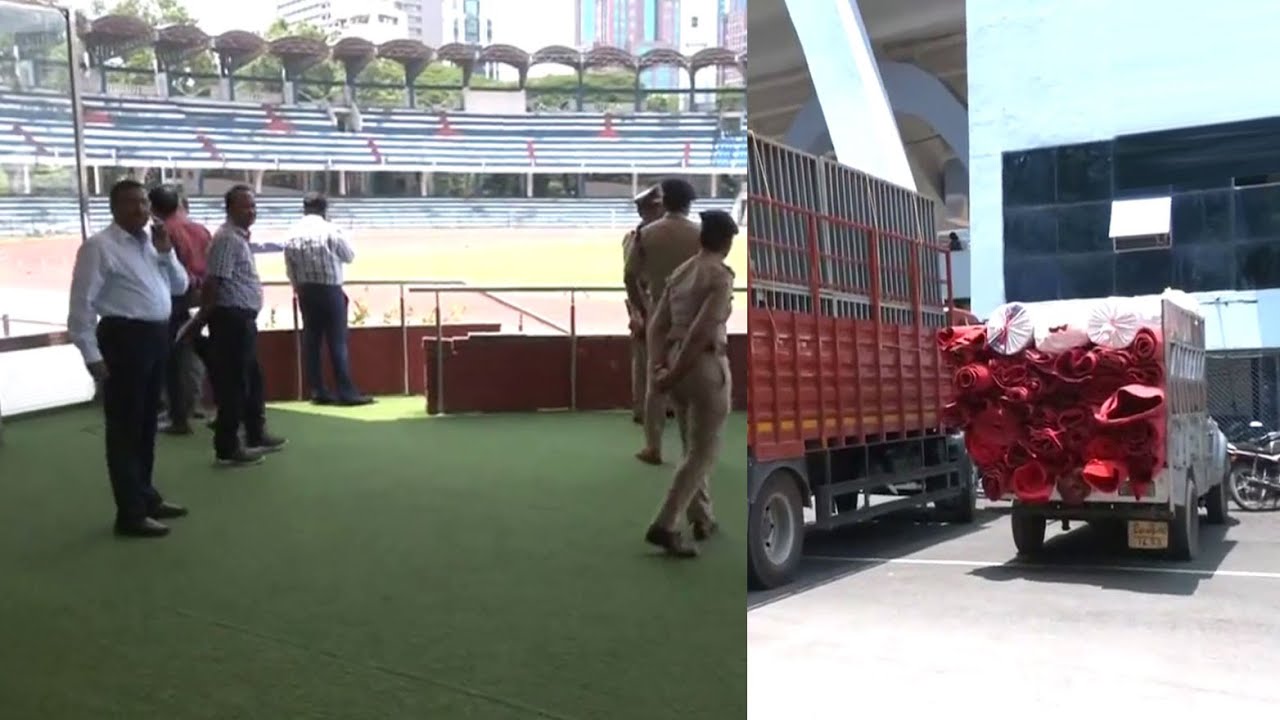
[(1099, 556), (838, 554)]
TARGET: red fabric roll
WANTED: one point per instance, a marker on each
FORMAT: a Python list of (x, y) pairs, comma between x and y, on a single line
[(1105, 447), (1037, 359), (1104, 476), (1072, 489), (1017, 396), (1113, 362), (1046, 445), (965, 342), (1008, 372), (1145, 347), (1016, 455), (1075, 366), (1031, 483), (1096, 392), (973, 379), (1151, 374), (1130, 404)]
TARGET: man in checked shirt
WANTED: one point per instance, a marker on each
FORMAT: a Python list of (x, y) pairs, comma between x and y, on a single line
[(314, 255)]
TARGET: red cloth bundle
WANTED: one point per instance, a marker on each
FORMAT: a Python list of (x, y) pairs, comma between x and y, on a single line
[(973, 379), (964, 343), (1131, 404), (1104, 476), (1146, 346), (1087, 421), (1075, 366), (1032, 483)]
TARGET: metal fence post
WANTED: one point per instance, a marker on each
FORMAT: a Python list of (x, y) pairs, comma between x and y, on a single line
[(573, 350)]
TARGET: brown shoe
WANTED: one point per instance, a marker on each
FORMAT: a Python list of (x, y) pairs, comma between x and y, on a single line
[(671, 541), (705, 531), (649, 456)]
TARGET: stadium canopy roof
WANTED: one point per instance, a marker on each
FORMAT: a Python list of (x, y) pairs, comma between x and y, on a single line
[(113, 36), (355, 54), (238, 48), (176, 43), (297, 53)]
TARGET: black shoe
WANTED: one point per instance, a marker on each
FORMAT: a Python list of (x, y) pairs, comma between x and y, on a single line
[(321, 400), (178, 429), (266, 444), (144, 528), (356, 401), (240, 458), (167, 511)]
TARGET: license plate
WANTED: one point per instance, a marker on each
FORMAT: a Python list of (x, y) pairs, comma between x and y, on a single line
[(1148, 535)]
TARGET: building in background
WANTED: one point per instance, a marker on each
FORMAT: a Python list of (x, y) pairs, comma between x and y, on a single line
[(377, 21), (699, 29), (733, 35), (426, 20), (374, 20), (311, 12), (471, 22)]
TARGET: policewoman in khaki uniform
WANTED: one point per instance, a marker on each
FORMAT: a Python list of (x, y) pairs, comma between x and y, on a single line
[(649, 207), (688, 331), (659, 249)]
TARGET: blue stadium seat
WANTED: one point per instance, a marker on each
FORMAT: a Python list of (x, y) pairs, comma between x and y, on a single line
[(202, 133), (20, 215)]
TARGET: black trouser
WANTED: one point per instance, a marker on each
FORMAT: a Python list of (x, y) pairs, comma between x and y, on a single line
[(324, 320), (175, 374), (135, 353), (237, 379)]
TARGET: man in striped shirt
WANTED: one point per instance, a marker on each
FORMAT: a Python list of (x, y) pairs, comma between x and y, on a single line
[(231, 300), (314, 255)]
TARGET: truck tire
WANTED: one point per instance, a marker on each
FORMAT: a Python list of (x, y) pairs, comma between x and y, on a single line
[(1184, 531), (1218, 503), (775, 532), (1028, 532)]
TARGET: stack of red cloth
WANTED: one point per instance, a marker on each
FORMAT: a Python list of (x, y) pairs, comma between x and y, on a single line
[(1089, 420)]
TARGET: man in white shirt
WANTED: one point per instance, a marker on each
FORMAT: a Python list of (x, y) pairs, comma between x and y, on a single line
[(121, 295), (314, 255)]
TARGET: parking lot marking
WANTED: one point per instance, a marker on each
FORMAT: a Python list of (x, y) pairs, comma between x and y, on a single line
[(1152, 569)]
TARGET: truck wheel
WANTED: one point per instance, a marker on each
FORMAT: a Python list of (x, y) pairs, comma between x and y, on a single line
[(775, 532), (1218, 503), (1028, 532), (1184, 531)]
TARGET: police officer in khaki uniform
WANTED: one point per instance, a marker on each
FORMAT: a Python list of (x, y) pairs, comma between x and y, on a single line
[(660, 248), (687, 330), (649, 207)]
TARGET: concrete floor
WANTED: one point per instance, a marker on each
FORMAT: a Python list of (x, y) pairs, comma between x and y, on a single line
[(922, 618)]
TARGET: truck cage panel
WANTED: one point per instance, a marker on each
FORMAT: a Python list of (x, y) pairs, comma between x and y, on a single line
[(848, 286)]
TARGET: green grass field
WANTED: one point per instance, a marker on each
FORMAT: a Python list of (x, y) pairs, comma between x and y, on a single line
[(385, 566)]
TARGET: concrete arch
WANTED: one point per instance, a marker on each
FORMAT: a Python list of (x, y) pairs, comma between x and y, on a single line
[(914, 91), (910, 91)]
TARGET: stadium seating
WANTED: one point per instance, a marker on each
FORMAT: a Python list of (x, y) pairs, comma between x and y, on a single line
[(196, 133), (53, 215)]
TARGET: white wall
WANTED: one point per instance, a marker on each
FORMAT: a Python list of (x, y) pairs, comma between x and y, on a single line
[(1051, 72)]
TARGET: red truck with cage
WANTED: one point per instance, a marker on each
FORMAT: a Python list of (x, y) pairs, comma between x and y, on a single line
[(848, 288)]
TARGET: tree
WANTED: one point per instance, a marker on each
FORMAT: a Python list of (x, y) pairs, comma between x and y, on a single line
[(321, 82), (560, 91), (195, 76), (380, 85)]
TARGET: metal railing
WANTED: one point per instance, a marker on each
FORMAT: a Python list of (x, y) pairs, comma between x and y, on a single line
[(438, 291)]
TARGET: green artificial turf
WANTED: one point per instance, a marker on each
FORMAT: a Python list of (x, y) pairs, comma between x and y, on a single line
[(386, 566)]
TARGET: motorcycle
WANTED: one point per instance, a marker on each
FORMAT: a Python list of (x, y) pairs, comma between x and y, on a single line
[(1254, 479)]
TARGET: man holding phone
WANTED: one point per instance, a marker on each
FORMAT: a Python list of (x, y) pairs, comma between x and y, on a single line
[(121, 300)]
